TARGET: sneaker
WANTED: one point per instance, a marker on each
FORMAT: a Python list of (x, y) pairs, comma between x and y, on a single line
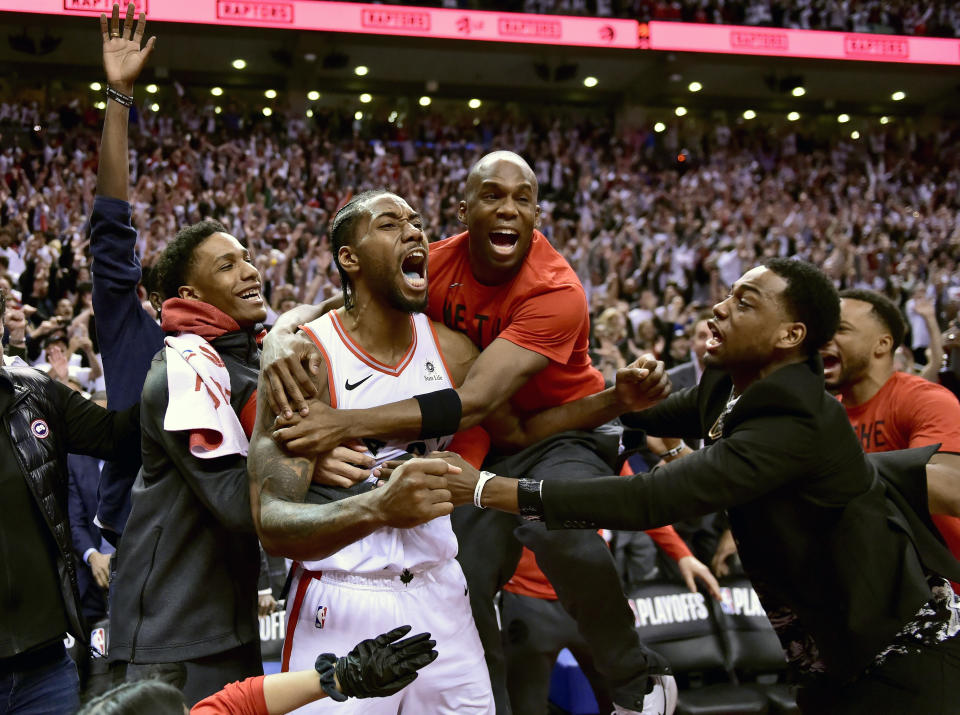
[(661, 700)]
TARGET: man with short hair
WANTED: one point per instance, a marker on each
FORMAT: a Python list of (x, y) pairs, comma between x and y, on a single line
[(839, 557), (889, 409), (503, 284)]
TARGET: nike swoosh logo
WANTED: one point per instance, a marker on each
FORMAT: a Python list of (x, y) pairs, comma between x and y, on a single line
[(357, 384)]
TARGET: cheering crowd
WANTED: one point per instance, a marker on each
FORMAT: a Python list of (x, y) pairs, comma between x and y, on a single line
[(656, 227)]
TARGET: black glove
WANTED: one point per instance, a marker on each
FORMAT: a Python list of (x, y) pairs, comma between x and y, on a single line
[(381, 666)]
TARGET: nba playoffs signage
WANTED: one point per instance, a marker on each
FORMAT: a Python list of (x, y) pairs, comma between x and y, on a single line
[(442, 23)]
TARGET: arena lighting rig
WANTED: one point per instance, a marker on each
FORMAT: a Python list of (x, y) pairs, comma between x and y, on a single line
[(561, 30)]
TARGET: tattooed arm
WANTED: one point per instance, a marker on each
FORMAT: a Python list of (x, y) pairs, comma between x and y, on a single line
[(416, 493)]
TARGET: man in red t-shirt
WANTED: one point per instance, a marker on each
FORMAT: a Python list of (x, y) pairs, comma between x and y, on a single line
[(893, 410), (505, 286)]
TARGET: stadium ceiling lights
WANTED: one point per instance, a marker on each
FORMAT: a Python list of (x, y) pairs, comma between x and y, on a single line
[(659, 127), (366, 98), (425, 101), (843, 118), (749, 114), (216, 91), (152, 89), (154, 107), (313, 95), (854, 134), (694, 86), (358, 116), (798, 91), (590, 82), (898, 96), (239, 64), (217, 110), (100, 105), (361, 70), (884, 120), (267, 111), (474, 104), (309, 113), (270, 94), (96, 86), (793, 116), (680, 111)]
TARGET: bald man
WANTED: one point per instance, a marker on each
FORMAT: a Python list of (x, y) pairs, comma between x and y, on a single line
[(502, 284)]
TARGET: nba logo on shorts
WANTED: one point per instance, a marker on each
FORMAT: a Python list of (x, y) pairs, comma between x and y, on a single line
[(726, 601), (321, 616), (40, 429), (98, 641)]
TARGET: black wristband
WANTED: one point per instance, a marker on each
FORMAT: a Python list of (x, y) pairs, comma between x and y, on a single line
[(326, 665), (529, 500), (119, 97), (440, 413)]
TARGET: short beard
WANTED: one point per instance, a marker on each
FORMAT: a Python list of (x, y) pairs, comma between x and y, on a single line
[(398, 301)]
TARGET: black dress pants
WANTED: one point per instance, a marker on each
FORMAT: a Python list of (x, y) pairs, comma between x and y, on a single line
[(577, 562)]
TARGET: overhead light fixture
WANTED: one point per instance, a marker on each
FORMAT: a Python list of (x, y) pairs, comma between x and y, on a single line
[(659, 127), (898, 95), (680, 111), (361, 70), (843, 118), (152, 89), (216, 91), (590, 81), (798, 91), (313, 95), (358, 116), (239, 64), (884, 120), (217, 110), (154, 107), (793, 116), (270, 94), (392, 118), (100, 105), (366, 98), (425, 101), (854, 134), (267, 111), (474, 104), (749, 114), (694, 86), (96, 86), (309, 113)]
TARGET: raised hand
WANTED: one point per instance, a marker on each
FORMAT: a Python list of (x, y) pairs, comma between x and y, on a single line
[(123, 58), (381, 666)]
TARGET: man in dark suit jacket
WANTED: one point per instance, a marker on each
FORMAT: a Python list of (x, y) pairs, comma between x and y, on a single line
[(94, 577), (840, 559)]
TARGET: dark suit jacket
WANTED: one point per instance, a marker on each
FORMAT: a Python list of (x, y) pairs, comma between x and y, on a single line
[(84, 481), (816, 531)]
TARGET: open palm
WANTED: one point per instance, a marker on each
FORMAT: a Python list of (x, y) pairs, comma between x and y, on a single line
[(123, 59)]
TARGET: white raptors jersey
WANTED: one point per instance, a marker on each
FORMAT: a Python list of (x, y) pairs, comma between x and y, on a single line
[(357, 381)]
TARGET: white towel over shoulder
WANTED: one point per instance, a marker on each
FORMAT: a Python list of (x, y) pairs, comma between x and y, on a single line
[(199, 387)]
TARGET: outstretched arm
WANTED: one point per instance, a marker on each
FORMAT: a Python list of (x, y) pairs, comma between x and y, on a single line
[(123, 60)]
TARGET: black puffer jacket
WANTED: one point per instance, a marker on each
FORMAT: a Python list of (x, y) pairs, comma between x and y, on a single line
[(72, 424)]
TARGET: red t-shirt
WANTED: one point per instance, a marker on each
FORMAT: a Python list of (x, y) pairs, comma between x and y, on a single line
[(243, 698), (543, 309), (909, 411)]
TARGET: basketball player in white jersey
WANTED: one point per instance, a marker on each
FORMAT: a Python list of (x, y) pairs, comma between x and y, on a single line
[(359, 572)]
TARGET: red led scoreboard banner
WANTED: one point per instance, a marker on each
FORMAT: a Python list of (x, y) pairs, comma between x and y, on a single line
[(827, 45), (524, 28)]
